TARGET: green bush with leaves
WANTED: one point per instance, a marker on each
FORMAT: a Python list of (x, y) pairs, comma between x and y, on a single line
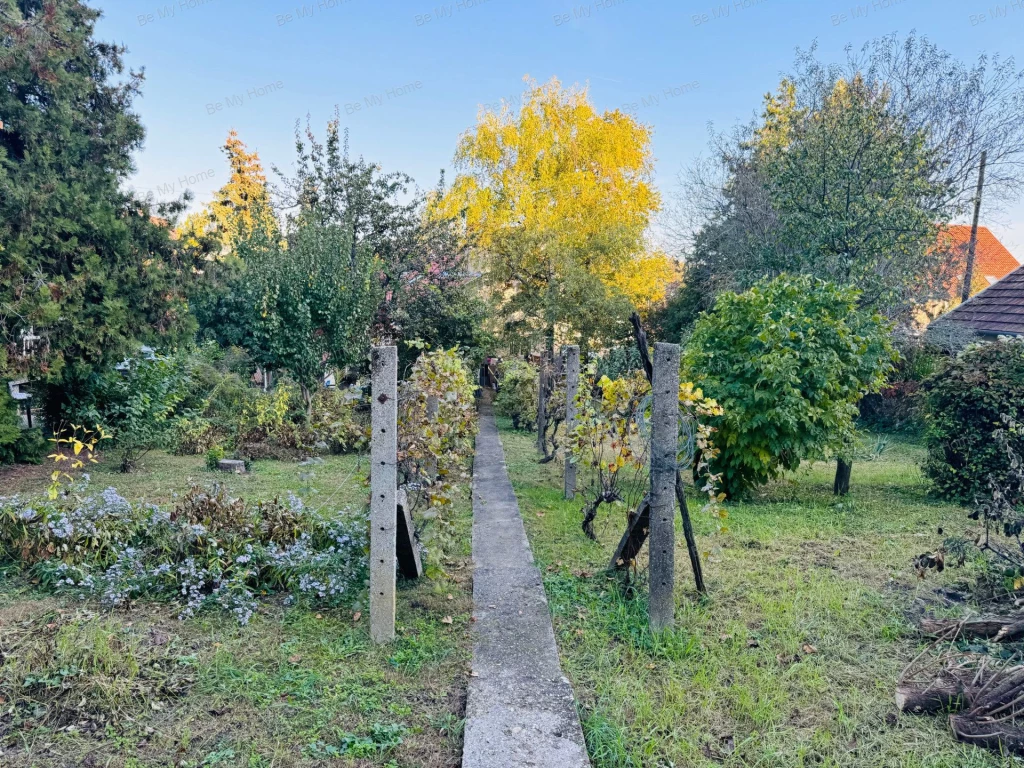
[(964, 403), (788, 361), (17, 445), (517, 398), (436, 427), (138, 404), (218, 393)]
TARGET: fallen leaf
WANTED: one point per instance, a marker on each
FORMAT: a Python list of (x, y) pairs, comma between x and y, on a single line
[(295, 659), (447, 620), (752, 643), (450, 597), (809, 649), (357, 616)]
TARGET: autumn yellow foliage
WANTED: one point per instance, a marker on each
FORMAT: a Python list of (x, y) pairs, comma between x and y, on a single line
[(647, 281), (557, 194), (239, 208)]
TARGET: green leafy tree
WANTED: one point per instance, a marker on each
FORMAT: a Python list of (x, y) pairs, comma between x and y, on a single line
[(427, 289), (855, 202), (787, 361), (850, 174), (543, 283), (309, 305), (87, 267)]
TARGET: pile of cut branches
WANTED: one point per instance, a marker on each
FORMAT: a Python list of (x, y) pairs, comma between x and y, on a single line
[(983, 694)]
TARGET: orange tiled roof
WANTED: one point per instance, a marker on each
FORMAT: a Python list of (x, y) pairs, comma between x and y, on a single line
[(992, 262)]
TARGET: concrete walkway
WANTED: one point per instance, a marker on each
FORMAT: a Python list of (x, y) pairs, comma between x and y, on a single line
[(521, 710)]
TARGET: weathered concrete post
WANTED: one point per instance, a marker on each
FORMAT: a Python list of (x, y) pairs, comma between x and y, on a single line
[(384, 489), (572, 385), (664, 448)]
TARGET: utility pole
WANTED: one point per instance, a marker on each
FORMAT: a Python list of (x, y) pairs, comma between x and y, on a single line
[(973, 246)]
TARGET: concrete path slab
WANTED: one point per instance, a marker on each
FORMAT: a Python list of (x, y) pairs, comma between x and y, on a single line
[(521, 710)]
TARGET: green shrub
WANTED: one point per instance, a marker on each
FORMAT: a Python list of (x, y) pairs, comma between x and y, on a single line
[(218, 393), (17, 445), (619, 362), (898, 406), (963, 404), (517, 398), (334, 421), (788, 361), (214, 457), (276, 425), (137, 405)]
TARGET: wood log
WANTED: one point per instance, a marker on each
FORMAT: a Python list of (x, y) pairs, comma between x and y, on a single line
[(633, 539), (938, 696), (996, 628), (1001, 737)]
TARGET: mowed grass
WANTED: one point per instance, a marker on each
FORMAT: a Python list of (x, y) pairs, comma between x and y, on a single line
[(297, 687), (793, 658)]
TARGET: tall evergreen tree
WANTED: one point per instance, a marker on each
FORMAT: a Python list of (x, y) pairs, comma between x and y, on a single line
[(85, 265)]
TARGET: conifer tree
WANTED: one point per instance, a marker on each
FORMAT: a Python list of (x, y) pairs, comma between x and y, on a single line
[(86, 267)]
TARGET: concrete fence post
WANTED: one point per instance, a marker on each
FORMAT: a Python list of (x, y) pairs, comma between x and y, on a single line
[(572, 385), (664, 448), (384, 490)]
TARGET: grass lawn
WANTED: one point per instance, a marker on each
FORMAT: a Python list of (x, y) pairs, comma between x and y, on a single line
[(793, 658), (296, 687)]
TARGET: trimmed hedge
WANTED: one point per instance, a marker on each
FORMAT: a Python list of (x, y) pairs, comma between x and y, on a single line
[(964, 402)]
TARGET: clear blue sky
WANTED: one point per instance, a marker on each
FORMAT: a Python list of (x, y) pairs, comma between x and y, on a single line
[(309, 55)]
